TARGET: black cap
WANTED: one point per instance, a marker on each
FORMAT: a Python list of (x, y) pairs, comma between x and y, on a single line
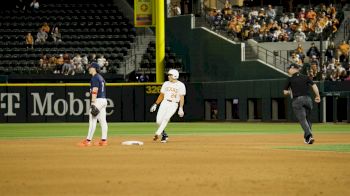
[(293, 65)]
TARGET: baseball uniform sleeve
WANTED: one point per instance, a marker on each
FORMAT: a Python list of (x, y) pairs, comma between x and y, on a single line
[(94, 83), (162, 90), (182, 90)]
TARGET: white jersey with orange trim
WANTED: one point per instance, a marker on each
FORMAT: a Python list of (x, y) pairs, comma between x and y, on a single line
[(173, 90)]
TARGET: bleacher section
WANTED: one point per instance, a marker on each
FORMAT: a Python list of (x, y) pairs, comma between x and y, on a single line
[(149, 58), (147, 64), (86, 28), (241, 24)]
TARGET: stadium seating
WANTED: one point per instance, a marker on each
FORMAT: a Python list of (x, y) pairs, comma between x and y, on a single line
[(171, 60), (86, 27), (244, 29)]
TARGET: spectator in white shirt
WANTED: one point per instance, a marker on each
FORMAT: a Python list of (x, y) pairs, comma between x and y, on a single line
[(276, 34), (284, 19), (292, 19), (41, 36), (102, 61), (56, 35), (84, 60), (78, 65), (331, 64), (254, 13), (299, 36), (34, 5), (270, 12), (177, 10), (256, 27)]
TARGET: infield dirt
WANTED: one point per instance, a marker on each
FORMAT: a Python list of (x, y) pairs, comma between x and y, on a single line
[(187, 165)]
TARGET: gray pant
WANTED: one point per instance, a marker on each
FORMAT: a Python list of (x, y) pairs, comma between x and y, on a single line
[(302, 107)]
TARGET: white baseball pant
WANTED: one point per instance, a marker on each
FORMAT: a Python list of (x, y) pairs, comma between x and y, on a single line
[(166, 110), (101, 104)]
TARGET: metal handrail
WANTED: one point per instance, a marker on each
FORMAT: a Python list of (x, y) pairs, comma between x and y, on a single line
[(347, 29), (271, 58)]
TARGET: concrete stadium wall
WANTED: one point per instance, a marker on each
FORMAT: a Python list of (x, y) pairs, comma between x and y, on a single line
[(284, 48)]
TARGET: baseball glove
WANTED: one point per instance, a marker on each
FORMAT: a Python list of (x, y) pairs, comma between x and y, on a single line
[(94, 110)]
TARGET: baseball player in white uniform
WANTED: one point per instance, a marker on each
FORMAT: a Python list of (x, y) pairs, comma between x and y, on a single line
[(170, 99)]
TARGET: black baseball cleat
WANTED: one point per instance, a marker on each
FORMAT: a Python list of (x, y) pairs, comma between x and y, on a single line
[(309, 140), (164, 138)]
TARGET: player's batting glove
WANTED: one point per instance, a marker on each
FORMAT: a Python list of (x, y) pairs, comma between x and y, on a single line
[(153, 108), (181, 112)]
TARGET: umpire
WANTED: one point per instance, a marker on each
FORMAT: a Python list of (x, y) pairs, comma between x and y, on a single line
[(298, 88)]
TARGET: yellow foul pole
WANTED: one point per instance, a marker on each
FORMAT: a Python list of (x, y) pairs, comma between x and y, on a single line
[(160, 40)]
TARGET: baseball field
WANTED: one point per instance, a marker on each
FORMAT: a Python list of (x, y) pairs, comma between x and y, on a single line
[(199, 159)]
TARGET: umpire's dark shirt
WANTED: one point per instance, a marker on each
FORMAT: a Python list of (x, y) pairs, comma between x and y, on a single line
[(300, 85)]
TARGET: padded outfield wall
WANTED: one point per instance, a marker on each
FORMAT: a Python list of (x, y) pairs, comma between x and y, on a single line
[(71, 102), (126, 102), (131, 102)]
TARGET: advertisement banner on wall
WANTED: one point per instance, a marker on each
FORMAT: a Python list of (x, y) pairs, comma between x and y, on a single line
[(144, 13), (52, 104), (71, 103), (79, 98), (38, 103), (14, 101), (3, 103)]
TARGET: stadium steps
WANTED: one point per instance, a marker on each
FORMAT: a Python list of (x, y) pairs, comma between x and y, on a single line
[(134, 59), (339, 37), (250, 53), (143, 45), (254, 52)]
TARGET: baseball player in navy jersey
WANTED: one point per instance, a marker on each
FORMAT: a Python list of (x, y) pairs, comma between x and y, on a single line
[(171, 97), (99, 104)]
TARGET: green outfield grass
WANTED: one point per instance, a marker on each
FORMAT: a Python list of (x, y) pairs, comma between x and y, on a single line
[(47, 130), (328, 147)]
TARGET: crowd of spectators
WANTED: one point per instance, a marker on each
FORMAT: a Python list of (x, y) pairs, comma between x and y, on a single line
[(266, 24), (68, 64), (334, 67), (65, 64), (309, 23), (44, 34)]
